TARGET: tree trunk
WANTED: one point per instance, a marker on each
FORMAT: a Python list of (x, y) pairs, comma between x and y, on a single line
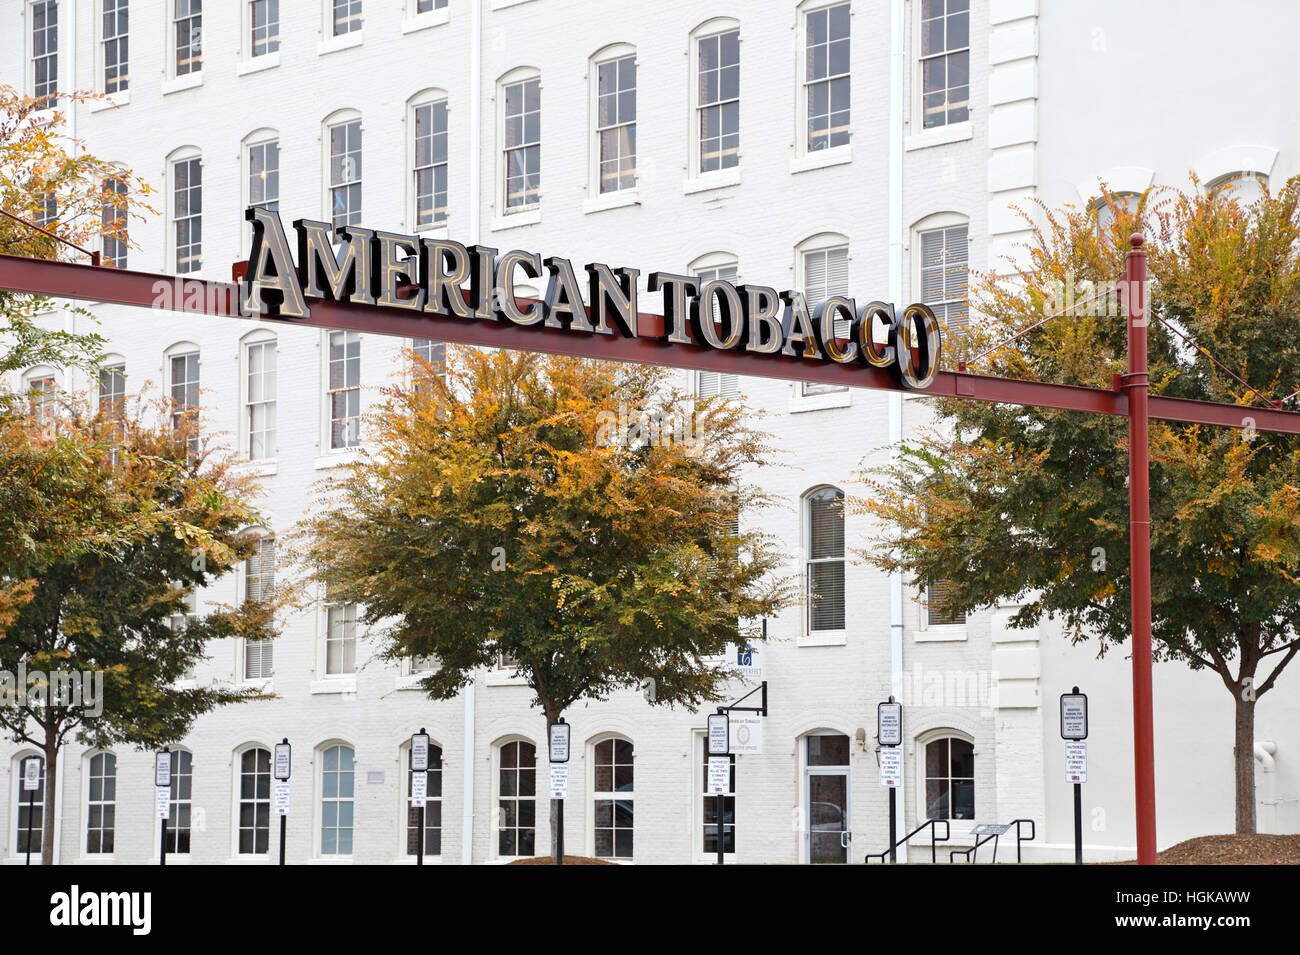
[(1243, 752), (49, 807)]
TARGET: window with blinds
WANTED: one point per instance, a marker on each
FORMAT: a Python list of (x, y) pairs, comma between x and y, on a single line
[(711, 383), (945, 256), (935, 596), (824, 587), (826, 273)]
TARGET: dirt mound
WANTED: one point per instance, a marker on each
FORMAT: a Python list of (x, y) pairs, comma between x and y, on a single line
[(1257, 849), (568, 860)]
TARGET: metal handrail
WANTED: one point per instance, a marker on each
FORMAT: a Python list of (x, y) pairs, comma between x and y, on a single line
[(931, 824), (974, 850)]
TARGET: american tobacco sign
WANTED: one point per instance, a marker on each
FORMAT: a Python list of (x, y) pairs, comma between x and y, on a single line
[(443, 278)]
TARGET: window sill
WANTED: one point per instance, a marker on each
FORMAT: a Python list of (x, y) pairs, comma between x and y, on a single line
[(113, 101), (267, 467), (952, 634), (267, 61), (423, 21), (261, 858), (821, 159), (330, 860), (438, 230), (720, 179), (512, 219), (612, 200), (504, 678), (187, 82), (343, 457), (335, 43), (824, 638), (503, 4), (105, 859), (262, 686), (334, 685), (956, 133), (831, 399)]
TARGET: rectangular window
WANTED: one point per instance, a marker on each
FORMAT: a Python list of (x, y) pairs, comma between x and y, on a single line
[(45, 50), (345, 390), (113, 223), (430, 164), (254, 801), (47, 210), (345, 173), (432, 809), (616, 123), (264, 19), (935, 615), (945, 62), (825, 568), (347, 16), (719, 101), (101, 804), (826, 273), (523, 144), (116, 74), (710, 815), (188, 20), (187, 186), (179, 820), (428, 6), (826, 76), (341, 640), (264, 175), (944, 278), (259, 400)]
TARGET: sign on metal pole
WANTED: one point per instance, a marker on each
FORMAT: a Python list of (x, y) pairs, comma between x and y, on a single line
[(559, 742), (1074, 715), (420, 752), (719, 734), (719, 774), (164, 803), (419, 788), (162, 770), (31, 773), (746, 732), (889, 723), (891, 768), (281, 797), (559, 781), (1076, 761), (282, 763)]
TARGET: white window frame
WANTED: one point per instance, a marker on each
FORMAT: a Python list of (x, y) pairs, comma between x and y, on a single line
[(809, 637), (526, 214), (342, 117), (698, 780), (196, 815), (184, 154), (327, 410), (329, 27), (257, 339), (114, 365), (839, 397), (806, 158), (29, 50), (181, 350), (318, 825), (946, 131), (236, 775), (919, 743), (593, 796), (934, 223), (106, 255), (87, 763), (242, 676), (258, 139), (19, 797), (432, 98), (539, 803), (195, 76), (627, 194), (122, 94), (706, 268), (404, 804), (44, 408), (413, 19), (697, 180)]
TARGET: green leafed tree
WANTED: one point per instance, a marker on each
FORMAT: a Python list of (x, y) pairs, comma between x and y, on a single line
[(1010, 503), (109, 521), (575, 517)]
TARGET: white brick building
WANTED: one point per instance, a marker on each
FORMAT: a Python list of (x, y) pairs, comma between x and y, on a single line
[(484, 120)]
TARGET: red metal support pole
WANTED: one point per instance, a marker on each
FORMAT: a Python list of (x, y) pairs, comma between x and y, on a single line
[(1139, 504)]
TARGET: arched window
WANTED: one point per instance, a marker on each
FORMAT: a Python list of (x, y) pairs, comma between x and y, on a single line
[(182, 374), (254, 801), (822, 264), (29, 820), (42, 387), (180, 815), (1246, 188), (259, 392), (613, 73), (337, 791), (101, 803), (612, 798), (113, 224), (428, 151), (112, 385), (342, 138), (262, 169), (707, 268), (185, 205), (1240, 171), (941, 251), (824, 537), (949, 778), (519, 96), (432, 804), (715, 97), (517, 799)]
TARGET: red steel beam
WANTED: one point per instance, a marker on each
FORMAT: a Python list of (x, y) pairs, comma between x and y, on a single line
[(73, 280)]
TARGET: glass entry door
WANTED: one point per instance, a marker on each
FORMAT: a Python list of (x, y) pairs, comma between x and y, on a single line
[(827, 798)]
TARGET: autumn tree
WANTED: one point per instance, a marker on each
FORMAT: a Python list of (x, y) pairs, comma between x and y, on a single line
[(48, 179), (109, 521), (1010, 503), (577, 517)]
